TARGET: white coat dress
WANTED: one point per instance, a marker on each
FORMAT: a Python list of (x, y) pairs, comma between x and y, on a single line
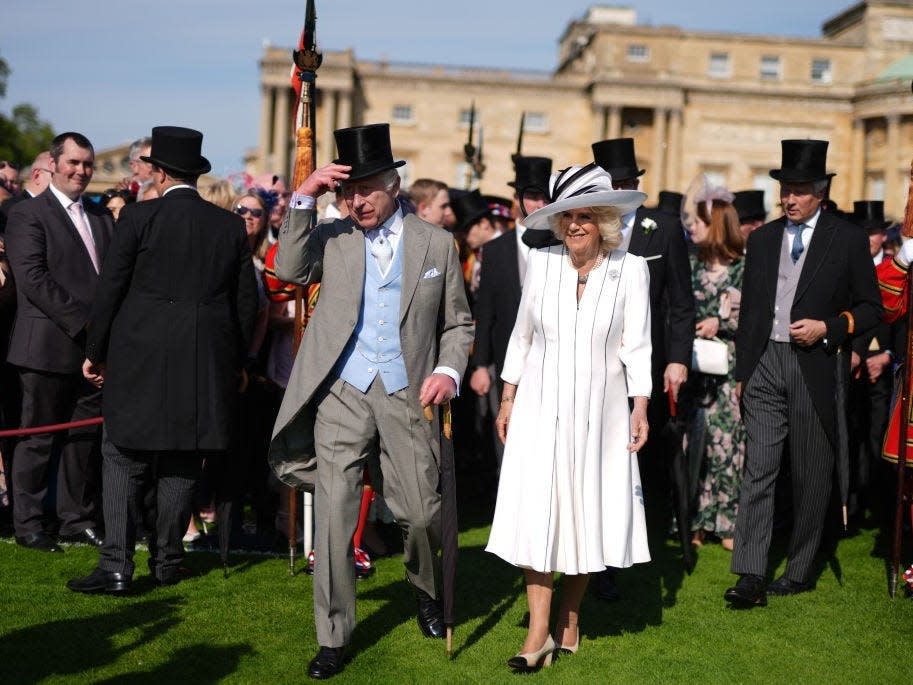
[(570, 497)]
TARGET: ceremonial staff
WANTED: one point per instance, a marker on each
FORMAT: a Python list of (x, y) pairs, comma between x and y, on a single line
[(519, 153), (906, 379), (307, 60), (473, 155)]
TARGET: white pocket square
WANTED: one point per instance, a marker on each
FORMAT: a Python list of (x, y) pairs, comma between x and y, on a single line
[(431, 273), (652, 257)]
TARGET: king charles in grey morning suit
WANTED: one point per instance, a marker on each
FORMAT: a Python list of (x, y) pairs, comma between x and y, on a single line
[(799, 305), (349, 406)]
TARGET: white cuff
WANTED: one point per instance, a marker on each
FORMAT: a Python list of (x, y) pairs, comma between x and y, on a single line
[(299, 201), (447, 371)]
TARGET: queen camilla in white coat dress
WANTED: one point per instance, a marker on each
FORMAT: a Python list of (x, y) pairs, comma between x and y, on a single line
[(569, 496)]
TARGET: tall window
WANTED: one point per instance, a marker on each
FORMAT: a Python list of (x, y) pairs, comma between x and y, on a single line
[(771, 69), (536, 122), (402, 114), (638, 53), (821, 70), (719, 65)]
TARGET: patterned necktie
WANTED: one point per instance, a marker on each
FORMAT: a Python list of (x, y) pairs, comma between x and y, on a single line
[(798, 247), (382, 250), (82, 227)]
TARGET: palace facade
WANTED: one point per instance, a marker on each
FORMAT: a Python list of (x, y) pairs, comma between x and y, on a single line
[(694, 102)]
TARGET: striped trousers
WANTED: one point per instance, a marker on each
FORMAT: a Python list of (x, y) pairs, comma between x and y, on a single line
[(776, 407), (125, 474)]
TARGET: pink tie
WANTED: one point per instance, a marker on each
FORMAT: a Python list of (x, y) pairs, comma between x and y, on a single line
[(82, 226)]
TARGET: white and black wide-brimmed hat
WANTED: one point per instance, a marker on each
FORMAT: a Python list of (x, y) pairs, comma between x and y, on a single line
[(583, 186)]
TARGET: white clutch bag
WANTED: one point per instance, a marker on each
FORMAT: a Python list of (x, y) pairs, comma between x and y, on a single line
[(710, 356)]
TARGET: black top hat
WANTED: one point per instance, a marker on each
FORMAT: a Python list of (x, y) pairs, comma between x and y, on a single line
[(468, 208), (749, 204), (869, 215), (531, 173), (670, 202), (617, 157), (175, 148), (366, 149), (803, 161)]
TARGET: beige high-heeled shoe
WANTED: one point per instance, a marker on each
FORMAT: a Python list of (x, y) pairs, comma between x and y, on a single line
[(562, 649), (532, 661)]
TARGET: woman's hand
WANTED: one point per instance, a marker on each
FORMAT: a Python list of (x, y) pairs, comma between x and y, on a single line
[(507, 406), (640, 427), (707, 328)]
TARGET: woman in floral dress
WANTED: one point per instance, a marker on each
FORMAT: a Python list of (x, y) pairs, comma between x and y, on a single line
[(716, 438)]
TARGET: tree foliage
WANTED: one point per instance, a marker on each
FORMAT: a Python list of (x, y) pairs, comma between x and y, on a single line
[(22, 133)]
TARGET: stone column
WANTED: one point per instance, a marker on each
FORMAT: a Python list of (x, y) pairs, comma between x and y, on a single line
[(601, 125), (674, 152), (893, 194), (658, 167), (614, 130), (266, 134), (857, 160), (281, 131), (327, 123)]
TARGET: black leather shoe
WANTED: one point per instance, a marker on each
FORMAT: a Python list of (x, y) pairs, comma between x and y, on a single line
[(785, 586), (172, 576), (89, 536), (328, 662), (430, 617), (748, 592), (605, 587), (40, 541), (100, 581)]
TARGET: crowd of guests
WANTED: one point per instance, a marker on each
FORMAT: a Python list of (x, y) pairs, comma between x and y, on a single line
[(598, 324)]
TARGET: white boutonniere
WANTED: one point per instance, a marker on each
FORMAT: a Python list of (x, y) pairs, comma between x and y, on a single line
[(649, 225)]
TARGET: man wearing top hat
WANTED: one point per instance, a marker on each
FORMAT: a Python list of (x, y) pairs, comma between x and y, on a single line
[(390, 335), (749, 205), (871, 387), (498, 296), (658, 238), (168, 334), (809, 286), (501, 277)]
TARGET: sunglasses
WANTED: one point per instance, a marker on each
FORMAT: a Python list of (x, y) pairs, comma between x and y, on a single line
[(243, 211)]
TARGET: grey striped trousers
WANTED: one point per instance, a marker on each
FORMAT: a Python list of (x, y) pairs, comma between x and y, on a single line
[(776, 407)]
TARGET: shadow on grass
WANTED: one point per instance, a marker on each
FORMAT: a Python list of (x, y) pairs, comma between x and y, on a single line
[(207, 663), (73, 646)]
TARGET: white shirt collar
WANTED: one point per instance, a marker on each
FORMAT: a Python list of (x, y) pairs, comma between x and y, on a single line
[(180, 185), (811, 223), (63, 199)]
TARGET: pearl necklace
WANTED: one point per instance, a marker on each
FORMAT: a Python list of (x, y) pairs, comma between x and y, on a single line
[(582, 278)]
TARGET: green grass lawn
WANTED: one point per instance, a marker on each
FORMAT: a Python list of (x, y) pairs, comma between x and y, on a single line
[(256, 626)]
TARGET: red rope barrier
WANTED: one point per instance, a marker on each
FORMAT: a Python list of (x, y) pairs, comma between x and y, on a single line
[(53, 428)]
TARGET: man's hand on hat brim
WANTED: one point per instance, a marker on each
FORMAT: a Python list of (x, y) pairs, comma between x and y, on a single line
[(325, 179)]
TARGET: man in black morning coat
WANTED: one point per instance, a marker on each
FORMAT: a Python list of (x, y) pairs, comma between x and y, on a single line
[(658, 238), (808, 286), (174, 310)]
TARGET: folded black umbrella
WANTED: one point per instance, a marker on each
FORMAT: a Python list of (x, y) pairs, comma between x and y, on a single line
[(673, 438)]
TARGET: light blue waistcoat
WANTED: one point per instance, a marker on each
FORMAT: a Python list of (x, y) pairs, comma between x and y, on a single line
[(375, 346)]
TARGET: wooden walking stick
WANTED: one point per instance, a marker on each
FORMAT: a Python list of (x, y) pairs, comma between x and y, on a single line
[(307, 60)]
